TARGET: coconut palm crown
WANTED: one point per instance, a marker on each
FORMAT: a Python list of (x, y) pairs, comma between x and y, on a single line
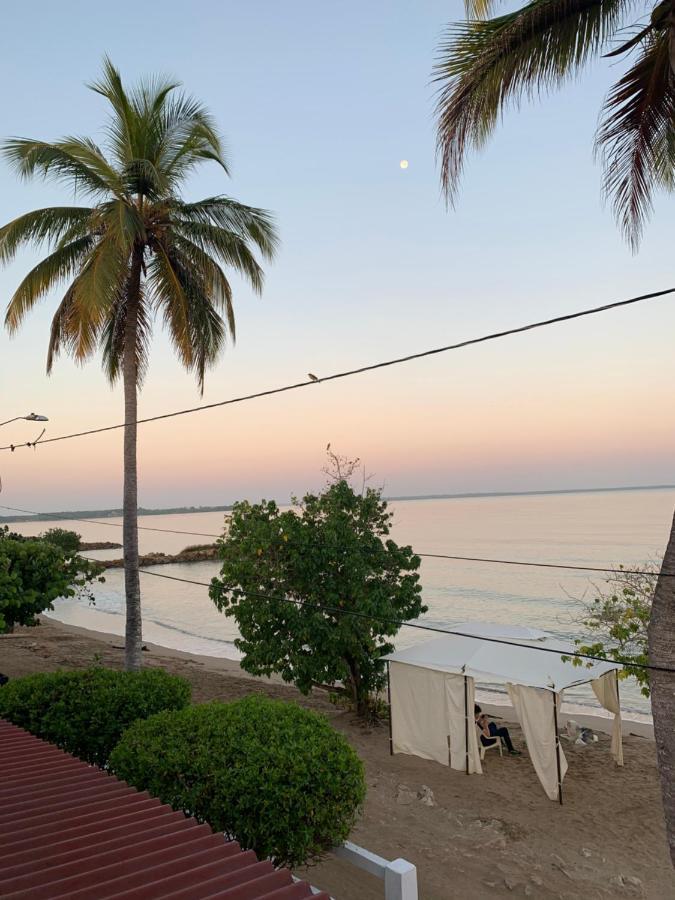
[(486, 63), (138, 252)]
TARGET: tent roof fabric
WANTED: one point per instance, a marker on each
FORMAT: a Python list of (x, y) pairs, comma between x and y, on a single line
[(498, 630), (71, 830), (487, 661)]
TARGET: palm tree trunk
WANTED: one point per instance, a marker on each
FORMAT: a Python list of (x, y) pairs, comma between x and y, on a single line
[(662, 685), (132, 587)]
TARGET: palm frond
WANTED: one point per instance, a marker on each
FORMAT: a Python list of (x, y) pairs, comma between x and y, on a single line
[(216, 285), (89, 302), (248, 222), (197, 331), (188, 137), (48, 225), (486, 64), (122, 125), (75, 326), (113, 337), (229, 247), (58, 266), (636, 136), (78, 328), (74, 160), (479, 9)]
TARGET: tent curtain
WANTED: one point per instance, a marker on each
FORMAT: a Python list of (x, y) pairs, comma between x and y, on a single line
[(606, 689), (534, 708), (461, 724), (419, 712)]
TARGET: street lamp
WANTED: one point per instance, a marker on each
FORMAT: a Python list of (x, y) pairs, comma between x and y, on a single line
[(31, 417)]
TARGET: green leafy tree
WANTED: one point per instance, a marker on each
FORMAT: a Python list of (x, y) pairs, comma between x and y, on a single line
[(68, 541), (617, 619), (488, 63), (138, 252), (332, 551), (34, 573)]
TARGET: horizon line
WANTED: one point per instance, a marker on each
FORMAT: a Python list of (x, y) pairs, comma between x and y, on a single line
[(61, 515)]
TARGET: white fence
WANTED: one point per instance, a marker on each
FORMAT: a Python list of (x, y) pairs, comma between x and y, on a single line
[(399, 876)]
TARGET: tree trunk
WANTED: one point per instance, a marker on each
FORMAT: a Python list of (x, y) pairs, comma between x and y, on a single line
[(662, 684), (356, 685), (132, 588)]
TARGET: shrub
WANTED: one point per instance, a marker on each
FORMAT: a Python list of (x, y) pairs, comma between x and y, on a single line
[(85, 712), (68, 541), (276, 777), (34, 573)]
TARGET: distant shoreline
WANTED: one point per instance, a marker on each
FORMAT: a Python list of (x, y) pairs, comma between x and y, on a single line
[(66, 515)]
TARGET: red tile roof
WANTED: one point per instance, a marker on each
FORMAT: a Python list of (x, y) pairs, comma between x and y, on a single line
[(71, 830)]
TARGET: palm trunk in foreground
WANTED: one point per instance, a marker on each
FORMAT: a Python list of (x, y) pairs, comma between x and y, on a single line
[(662, 685), (134, 632)]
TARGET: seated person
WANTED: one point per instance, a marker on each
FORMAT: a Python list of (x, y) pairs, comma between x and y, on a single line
[(490, 733)]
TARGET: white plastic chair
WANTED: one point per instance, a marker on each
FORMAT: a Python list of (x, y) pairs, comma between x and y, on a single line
[(485, 747)]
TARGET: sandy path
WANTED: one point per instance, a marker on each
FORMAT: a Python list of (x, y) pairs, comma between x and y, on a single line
[(491, 836)]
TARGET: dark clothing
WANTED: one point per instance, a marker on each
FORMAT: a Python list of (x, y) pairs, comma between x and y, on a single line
[(496, 734)]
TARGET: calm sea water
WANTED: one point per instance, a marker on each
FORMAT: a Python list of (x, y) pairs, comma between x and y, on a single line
[(596, 529)]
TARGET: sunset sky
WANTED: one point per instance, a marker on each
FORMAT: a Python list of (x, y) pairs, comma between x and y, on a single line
[(318, 104)]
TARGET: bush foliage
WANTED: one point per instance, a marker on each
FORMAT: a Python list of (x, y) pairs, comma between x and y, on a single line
[(34, 573), (276, 777), (85, 712), (617, 619)]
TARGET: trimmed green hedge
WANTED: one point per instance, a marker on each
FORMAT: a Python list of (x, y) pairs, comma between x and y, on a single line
[(86, 711), (276, 777)]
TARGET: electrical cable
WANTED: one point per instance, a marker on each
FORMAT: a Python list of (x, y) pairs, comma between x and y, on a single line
[(369, 368), (334, 610)]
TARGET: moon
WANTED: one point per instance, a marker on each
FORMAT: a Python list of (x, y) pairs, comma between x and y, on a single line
[(404, 164)]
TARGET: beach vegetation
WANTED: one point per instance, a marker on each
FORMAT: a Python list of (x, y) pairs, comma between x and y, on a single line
[(68, 541), (85, 712), (34, 573), (616, 621), (138, 252), (275, 777), (318, 590)]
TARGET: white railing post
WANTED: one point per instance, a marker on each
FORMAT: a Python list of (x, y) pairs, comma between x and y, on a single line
[(399, 876), (400, 881)]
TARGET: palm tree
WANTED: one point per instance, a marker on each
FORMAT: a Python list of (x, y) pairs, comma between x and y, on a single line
[(137, 252), (485, 64)]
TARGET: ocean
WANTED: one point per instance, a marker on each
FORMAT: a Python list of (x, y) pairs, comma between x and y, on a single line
[(603, 528)]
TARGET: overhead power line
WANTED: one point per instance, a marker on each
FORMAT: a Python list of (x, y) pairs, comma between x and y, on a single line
[(481, 559), (359, 371), (336, 610)]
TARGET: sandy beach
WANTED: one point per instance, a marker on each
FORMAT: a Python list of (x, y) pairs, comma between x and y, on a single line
[(491, 836)]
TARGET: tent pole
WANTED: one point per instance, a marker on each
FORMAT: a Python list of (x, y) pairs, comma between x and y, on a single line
[(391, 738), (466, 722), (557, 745), (618, 696)]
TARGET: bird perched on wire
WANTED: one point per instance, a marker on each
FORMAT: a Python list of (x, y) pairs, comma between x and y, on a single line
[(312, 377)]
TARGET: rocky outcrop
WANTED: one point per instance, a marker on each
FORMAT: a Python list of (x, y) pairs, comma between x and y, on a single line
[(190, 554), (100, 545)]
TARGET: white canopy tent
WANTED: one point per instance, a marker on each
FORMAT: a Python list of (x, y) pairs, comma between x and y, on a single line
[(432, 688)]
